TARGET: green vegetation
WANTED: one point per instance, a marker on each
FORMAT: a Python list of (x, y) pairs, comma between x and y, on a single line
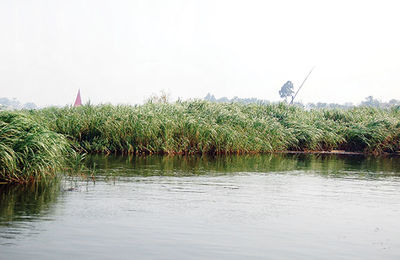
[(200, 127), (287, 90), (28, 150), (194, 127)]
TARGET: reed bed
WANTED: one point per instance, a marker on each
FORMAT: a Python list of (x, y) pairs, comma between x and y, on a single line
[(28, 150), (201, 127), (37, 144)]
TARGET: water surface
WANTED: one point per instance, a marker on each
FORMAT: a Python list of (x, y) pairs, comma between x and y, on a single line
[(236, 207)]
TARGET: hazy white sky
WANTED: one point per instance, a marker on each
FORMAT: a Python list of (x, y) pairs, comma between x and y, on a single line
[(122, 51)]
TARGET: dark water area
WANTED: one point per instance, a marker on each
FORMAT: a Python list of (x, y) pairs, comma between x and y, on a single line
[(293, 206)]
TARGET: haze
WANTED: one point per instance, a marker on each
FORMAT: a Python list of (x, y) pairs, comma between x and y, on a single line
[(122, 51)]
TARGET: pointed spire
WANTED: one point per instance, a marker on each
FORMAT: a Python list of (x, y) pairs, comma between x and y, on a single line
[(78, 101)]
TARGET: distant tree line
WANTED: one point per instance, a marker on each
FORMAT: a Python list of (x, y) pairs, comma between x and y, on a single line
[(13, 104), (369, 101), (212, 98)]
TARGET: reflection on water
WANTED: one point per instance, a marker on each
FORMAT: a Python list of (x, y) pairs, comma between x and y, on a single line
[(274, 206), (22, 204), (206, 165)]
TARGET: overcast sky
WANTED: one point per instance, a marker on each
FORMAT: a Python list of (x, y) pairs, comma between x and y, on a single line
[(122, 51)]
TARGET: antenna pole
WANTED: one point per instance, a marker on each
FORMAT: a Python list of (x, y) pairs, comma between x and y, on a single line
[(297, 92)]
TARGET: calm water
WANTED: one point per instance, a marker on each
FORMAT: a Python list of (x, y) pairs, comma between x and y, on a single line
[(239, 207)]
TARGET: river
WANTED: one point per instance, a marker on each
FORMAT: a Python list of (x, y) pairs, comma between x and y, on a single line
[(276, 206)]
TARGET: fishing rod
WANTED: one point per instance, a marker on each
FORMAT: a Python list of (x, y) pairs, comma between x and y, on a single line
[(297, 92)]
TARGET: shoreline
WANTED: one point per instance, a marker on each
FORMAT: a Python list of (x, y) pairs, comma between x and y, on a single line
[(339, 152), (36, 144), (332, 152), (228, 153)]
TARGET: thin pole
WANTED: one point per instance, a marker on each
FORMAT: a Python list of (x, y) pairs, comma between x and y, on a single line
[(297, 92)]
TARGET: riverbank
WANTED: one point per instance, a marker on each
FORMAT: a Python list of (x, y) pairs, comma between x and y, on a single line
[(193, 127), (200, 127)]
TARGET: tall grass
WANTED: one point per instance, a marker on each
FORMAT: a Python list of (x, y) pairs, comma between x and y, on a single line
[(200, 127), (28, 150), (38, 144)]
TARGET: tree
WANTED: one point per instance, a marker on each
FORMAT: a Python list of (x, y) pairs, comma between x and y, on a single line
[(210, 98), (370, 101), (164, 97), (30, 105), (286, 90), (394, 102)]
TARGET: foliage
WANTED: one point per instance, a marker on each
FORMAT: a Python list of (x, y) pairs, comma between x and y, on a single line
[(369, 101), (15, 104), (36, 144), (163, 97), (200, 127), (287, 90), (28, 150)]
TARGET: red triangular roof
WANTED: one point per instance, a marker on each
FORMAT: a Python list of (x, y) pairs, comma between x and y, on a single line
[(78, 101)]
